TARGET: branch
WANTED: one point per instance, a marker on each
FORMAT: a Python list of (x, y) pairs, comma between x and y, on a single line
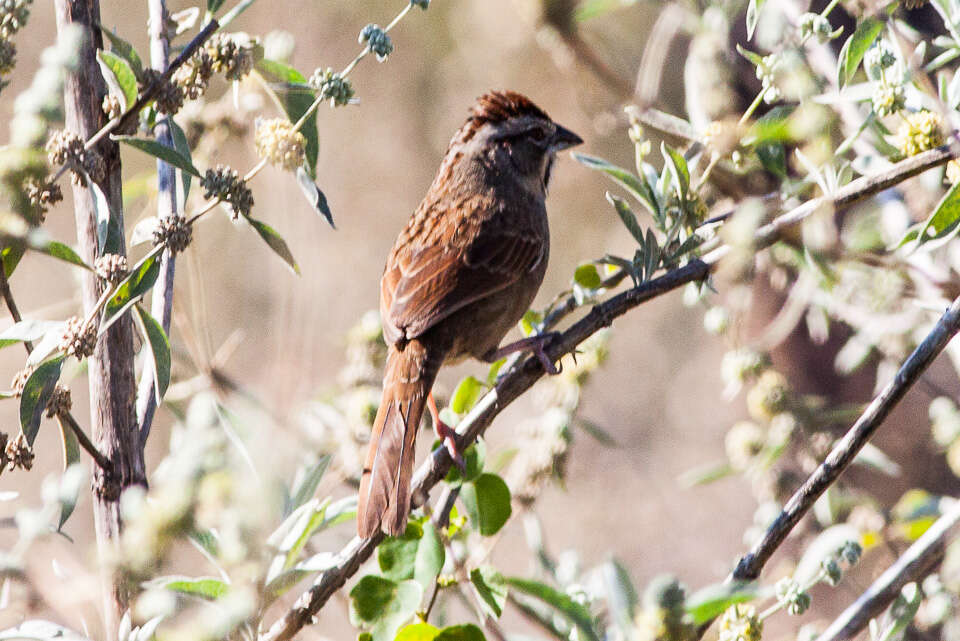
[(161, 306), (846, 449), (521, 376), (919, 559), (147, 94)]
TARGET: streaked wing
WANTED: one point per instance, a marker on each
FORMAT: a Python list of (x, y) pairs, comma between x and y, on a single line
[(423, 285)]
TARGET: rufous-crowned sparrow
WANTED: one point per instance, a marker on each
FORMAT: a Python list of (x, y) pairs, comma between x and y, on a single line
[(462, 273)]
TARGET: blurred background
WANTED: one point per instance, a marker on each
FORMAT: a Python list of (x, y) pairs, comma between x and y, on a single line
[(281, 338)]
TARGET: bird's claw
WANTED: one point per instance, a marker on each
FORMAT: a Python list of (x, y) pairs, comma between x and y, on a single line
[(448, 437)]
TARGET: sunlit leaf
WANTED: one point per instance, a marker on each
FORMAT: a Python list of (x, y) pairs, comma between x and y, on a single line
[(430, 557), (397, 555), (63, 252), (123, 49), (637, 187), (291, 90), (710, 602), (28, 330), (305, 487), (473, 462), (855, 47), (753, 15), (204, 587), (119, 75), (137, 283), (627, 216)]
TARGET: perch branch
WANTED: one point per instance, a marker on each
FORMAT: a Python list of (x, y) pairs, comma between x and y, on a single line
[(846, 449), (919, 559), (521, 376)]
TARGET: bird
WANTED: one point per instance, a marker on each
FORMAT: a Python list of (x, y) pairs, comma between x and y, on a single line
[(461, 274)]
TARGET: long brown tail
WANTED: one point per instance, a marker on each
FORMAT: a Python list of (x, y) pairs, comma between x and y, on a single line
[(385, 484)]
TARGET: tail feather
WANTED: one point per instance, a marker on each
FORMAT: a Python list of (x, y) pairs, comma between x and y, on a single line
[(385, 485)]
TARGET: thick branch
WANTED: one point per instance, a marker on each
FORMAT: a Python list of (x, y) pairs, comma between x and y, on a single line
[(918, 561), (853, 441), (111, 374), (522, 375)]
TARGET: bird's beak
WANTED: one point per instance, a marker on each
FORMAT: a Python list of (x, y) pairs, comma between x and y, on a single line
[(563, 138)]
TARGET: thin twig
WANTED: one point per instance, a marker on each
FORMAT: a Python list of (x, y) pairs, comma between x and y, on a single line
[(147, 94), (919, 559), (85, 441), (846, 449), (520, 376), (11, 303)]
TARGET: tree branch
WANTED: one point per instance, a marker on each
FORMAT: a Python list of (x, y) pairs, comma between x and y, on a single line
[(161, 306), (111, 373), (919, 559), (521, 376), (846, 449)]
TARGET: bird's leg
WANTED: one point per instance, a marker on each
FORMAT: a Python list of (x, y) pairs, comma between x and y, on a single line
[(536, 344), (446, 434)]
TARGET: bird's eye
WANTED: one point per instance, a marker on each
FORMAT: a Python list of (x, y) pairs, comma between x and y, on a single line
[(538, 134)]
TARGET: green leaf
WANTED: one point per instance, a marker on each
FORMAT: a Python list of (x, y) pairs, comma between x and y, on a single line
[(36, 394), (304, 488), (710, 602), (417, 632), (754, 58), (291, 90), (137, 283), (587, 276), (487, 500), (11, 255), (902, 611), (473, 461), (126, 51), (855, 47), (773, 158), (943, 222), (314, 196), (494, 370), (159, 351), (397, 555), (430, 557), (104, 214), (65, 253), (74, 475), (678, 169), (292, 535), (753, 15), (28, 330), (214, 5), (167, 154), (231, 15), (638, 187), (119, 75), (621, 595), (627, 216), (705, 474), (464, 632), (576, 613), (205, 587), (382, 606), (182, 147), (466, 395), (276, 243), (286, 579), (491, 587)]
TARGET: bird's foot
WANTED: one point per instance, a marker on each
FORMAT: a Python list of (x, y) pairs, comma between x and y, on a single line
[(537, 344), (446, 434)]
